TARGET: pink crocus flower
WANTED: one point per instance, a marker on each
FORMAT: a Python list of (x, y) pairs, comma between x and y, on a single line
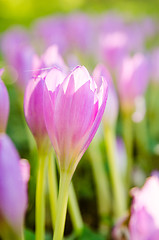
[(111, 111), (4, 105), (49, 59), (19, 55), (52, 30), (33, 104), (73, 108), (79, 31), (144, 219), (113, 48), (13, 195), (133, 80)]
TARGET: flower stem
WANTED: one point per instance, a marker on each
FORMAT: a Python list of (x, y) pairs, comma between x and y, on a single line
[(40, 197), (117, 187), (74, 210), (65, 179), (101, 183), (52, 180), (128, 140)]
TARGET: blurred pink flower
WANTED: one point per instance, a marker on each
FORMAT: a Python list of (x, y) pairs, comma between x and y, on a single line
[(19, 55), (13, 195), (133, 78), (144, 220), (4, 105), (73, 108), (113, 48), (52, 30), (49, 59), (111, 111), (79, 31)]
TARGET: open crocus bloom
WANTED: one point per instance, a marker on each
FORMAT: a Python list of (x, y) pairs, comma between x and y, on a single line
[(73, 108), (4, 105), (144, 220)]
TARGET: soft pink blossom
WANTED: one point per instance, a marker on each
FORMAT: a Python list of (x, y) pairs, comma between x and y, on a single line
[(133, 78), (144, 220), (113, 48), (19, 55), (73, 108), (13, 195)]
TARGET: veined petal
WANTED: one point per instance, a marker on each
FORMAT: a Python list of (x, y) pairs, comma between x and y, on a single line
[(81, 76)]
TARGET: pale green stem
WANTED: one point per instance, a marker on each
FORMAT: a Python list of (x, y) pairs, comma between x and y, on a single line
[(101, 181), (52, 180), (74, 210), (117, 186), (153, 113), (65, 179), (142, 137), (40, 198), (128, 140)]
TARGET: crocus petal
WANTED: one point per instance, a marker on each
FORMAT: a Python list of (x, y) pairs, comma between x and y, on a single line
[(4, 106), (103, 95), (13, 200), (33, 108)]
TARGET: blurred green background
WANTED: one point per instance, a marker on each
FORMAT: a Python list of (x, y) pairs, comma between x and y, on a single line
[(24, 12)]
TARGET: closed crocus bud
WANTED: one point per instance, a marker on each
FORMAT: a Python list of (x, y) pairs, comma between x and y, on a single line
[(13, 195), (33, 105), (4, 105), (144, 219), (73, 108), (111, 111), (133, 79)]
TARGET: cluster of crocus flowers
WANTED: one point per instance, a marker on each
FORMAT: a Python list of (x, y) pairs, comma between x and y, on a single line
[(64, 108), (13, 178), (71, 108)]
